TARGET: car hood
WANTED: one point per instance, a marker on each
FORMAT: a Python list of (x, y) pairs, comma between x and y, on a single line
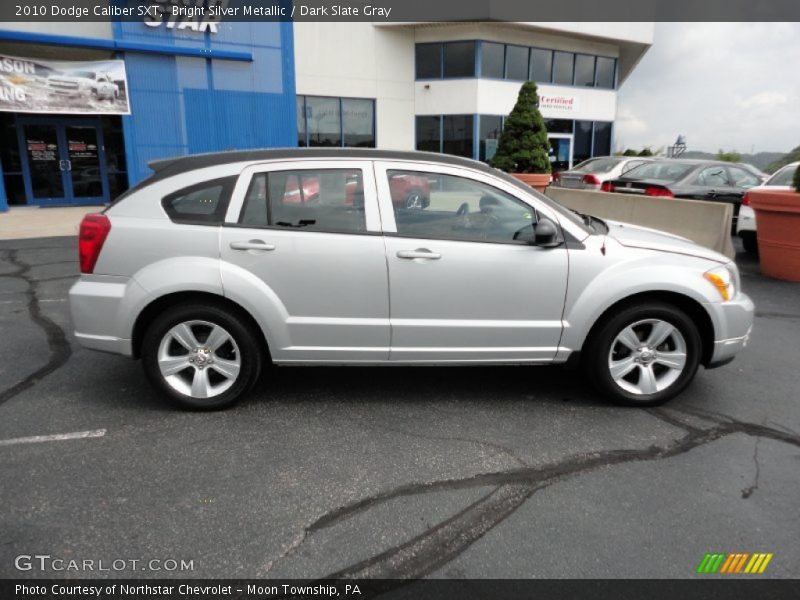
[(635, 236)]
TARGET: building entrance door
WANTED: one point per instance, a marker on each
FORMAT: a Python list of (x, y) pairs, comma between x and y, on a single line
[(63, 161), (560, 151)]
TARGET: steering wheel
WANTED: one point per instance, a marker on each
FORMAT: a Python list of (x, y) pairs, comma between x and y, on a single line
[(463, 210)]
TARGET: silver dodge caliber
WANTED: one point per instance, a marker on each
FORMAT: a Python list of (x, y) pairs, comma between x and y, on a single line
[(219, 264)]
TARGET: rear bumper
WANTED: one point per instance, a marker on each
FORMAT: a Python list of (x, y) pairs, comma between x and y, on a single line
[(103, 310), (734, 326)]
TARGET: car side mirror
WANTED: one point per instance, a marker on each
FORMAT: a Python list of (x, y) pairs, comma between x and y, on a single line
[(546, 234)]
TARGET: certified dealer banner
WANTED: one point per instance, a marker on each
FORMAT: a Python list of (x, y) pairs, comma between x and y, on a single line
[(50, 86)]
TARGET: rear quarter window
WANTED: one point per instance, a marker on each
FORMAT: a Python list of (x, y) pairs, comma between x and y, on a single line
[(200, 204)]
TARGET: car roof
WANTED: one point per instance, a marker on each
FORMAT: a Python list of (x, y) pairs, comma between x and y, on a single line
[(180, 164)]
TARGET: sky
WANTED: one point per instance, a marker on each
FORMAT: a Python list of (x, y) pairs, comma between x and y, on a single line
[(731, 86)]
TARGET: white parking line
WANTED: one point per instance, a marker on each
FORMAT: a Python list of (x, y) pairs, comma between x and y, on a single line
[(77, 435)]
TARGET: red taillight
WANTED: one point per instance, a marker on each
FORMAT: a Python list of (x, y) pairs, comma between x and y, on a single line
[(591, 179), (607, 187), (556, 177), (746, 199), (93, 232), (658, 191)]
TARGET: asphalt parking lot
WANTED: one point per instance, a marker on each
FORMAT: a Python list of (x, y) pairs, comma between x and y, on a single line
[(389, 472)]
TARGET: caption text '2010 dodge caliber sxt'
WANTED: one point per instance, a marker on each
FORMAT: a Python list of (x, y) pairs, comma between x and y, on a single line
[(221, 263)]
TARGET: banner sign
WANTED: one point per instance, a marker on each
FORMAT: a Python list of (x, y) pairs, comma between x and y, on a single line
[(53, 87)]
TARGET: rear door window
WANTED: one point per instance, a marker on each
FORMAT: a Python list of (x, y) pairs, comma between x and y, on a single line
[(330, 200)]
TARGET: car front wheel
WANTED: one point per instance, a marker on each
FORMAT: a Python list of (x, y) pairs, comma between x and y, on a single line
[(201, 357), (644, 355)]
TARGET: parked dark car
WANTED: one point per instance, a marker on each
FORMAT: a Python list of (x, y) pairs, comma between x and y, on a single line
[(689, 179)]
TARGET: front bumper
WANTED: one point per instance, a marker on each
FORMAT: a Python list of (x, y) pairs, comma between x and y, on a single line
[(733, 325)]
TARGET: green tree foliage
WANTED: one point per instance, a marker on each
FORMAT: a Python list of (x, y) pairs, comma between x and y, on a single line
[(630, 152), (523, 144), (646, 152), (796, 181), (731, 156), (790, 157)]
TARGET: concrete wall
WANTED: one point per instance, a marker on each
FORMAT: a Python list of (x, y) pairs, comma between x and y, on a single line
[(705, 223)]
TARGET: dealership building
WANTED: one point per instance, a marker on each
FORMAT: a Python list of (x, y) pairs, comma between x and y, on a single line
[(85, 106)]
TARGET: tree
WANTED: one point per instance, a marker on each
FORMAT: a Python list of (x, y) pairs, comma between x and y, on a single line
[(523, 143), (646, 152), (796, 181), (731, 156), (630, 152)]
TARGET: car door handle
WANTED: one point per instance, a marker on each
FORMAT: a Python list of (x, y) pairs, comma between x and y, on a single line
[(419, 253), (252, 245)]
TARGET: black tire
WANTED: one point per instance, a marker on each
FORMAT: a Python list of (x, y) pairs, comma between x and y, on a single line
[(250, 354), (750, 242), (416, 199), (598, 353)]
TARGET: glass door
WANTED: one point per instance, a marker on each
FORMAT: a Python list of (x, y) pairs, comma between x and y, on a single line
[(560, 151), (63, 161), (45, 170), (83, 164)]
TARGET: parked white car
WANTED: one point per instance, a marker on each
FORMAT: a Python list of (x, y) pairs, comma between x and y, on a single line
[(746, 226), (590, 174)]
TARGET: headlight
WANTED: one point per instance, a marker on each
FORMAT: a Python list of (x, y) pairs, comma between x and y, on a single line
[(725, 279)]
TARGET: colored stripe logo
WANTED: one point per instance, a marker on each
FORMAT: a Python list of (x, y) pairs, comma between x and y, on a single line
[(734, 563)]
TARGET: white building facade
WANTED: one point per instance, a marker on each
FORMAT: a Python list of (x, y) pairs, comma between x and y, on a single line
[(447, 87)]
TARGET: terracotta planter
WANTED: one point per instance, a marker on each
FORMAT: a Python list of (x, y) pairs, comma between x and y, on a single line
[(778, 218), (537, 181)]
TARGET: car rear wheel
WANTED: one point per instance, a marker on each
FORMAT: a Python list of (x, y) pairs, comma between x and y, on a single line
[(644, 355), (415, 199), (201, 357), (750, 242)]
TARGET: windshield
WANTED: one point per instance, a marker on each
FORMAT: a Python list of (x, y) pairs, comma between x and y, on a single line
[(660, 171), (83, 74), (597, 165), (784, 176)]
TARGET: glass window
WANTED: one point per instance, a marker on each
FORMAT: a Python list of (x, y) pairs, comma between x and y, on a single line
[(558, 125), (457, 135), (429, 61), (492, 56), (491, 127), (712, 176), (516, 63), (584, 70), (783, 177), (358, 119), (541, 65), (602, 139), (308, 200), (201, 204), (562, 67), (459, 209), (323, 119), (631, 164), (429, 134), (301, 121), (742, 178), (583, 141), (661, 170), (605, 72), (459, 59)]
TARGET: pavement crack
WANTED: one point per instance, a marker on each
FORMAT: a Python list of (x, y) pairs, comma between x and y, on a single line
[(748, 491), (442, 543), (59, 347)]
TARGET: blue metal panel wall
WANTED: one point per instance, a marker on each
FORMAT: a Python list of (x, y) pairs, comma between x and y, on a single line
[(183, 105)]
